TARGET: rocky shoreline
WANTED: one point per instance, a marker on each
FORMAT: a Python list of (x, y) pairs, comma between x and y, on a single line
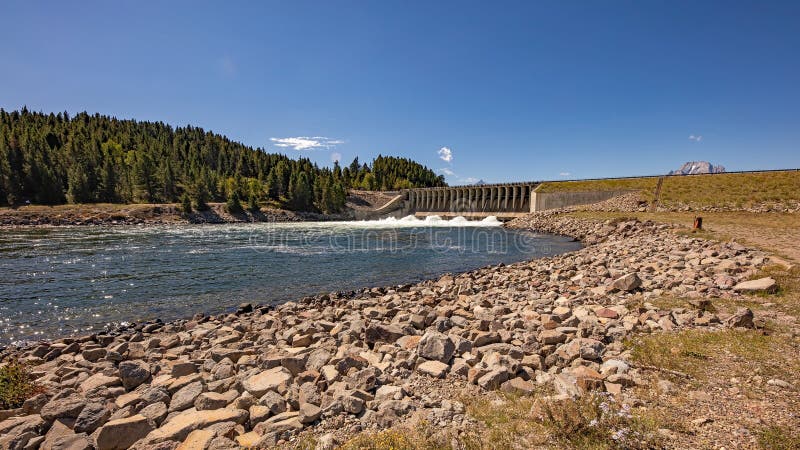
[(336, 364), (166, 214)]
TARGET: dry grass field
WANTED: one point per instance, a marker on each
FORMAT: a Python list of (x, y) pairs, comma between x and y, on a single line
[(729, 189)]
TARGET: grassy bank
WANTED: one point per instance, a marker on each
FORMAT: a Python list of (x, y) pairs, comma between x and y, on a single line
[(733, 189)]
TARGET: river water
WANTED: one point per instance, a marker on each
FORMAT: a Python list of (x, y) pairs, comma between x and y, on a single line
[(77, 280)]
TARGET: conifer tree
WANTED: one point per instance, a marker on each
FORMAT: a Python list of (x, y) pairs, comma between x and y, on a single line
[(186, 203), (234, 205)]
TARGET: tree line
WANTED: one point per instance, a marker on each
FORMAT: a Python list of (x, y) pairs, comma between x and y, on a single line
[(54, 158)]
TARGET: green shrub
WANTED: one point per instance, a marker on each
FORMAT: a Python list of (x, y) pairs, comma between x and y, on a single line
[(16, 385), (186, 204), (779, 438)]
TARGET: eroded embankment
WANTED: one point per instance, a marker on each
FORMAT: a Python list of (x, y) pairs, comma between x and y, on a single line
[(332, 365)]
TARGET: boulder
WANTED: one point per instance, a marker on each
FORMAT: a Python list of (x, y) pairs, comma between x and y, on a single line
[(91, 418), (186, 396), (274, 379), (309, 413), (518, 386), (435, 369), (99, 380), (767, 285), (436, 346), (743, 318), (378, 332), (214, 400), (493, 379), (179, 426), (552, 337), (63, 408), (156, 412), (627, 282), (123, 433), (197, 439), (133, 373)]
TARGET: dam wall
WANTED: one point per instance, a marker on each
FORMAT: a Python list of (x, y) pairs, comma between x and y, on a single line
[(542, 201)]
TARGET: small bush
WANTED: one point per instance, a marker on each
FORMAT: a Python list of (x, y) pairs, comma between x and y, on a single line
[(385, 440), (779, 438), (596, 421), (16, 385)]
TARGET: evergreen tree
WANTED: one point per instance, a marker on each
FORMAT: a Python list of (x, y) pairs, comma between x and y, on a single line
[(200, 195), (78, 185), (272, 185), (186, 203), (252, 203), (107, 191), (233, 205), (300, 194), (144, 179), (166, 179), (99, 158)]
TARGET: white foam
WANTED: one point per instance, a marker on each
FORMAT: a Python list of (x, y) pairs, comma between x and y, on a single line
[(413, 222)]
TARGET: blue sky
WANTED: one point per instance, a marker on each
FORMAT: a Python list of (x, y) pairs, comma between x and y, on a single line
[(513, 90)]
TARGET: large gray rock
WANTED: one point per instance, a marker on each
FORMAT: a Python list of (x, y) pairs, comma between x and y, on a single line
[(627, 282), (309, 413), (179, 426), (274, 379), (435, 369), (121, 434), (186, 396), (378, 332), (91, 418), (63, 408), (493, 379), (436, 346), (17, 431), (214, 400), (156, 412), (552, 337), (133, 373), (761, 285), (74, 441), (273, 401), (742, 319), (99, 380)]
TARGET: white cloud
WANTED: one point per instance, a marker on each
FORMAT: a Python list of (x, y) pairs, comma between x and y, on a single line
[(695, 137), (564, 174), (445, 154), (305, 142), (446, 171), (469, 180), (336, 156)]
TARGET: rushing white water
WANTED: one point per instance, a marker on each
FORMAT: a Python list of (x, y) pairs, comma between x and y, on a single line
[(408, 222)]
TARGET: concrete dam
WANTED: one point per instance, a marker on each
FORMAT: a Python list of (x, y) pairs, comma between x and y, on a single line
[(506, 201)]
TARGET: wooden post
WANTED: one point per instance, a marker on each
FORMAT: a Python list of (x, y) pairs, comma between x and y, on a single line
[(698, 224)]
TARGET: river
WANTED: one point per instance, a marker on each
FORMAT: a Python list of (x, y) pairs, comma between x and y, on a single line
[(77, 280)]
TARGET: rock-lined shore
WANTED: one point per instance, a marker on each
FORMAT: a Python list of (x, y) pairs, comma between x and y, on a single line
[(145, 214), (336, 364)]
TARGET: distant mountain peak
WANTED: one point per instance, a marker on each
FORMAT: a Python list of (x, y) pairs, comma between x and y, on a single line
[(696, 168)]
